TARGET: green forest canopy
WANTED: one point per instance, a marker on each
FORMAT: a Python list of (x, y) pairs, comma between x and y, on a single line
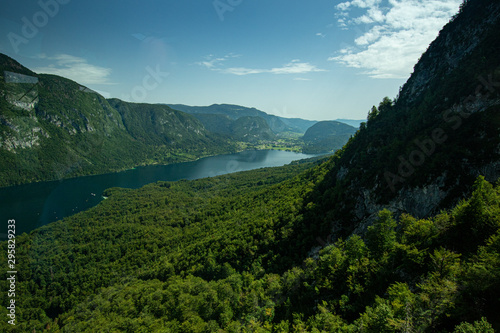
[(230, 253)]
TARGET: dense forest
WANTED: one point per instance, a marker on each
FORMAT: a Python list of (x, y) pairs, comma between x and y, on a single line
[(227, 253), (327, 136), (398, 231)]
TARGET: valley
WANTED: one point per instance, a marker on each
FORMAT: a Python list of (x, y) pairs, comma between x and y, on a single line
[(54, 128), (393, 227)]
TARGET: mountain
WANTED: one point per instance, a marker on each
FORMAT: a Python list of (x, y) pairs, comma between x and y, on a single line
[(421, 152), (160, 125), (298, 124), (327, 136), (351, 122), (251, 129), (216, 123), (53, 128), (246, 128), (277, 124), (398, 231)]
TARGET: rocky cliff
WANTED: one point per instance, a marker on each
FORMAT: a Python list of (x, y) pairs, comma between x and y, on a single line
[(424, 149)]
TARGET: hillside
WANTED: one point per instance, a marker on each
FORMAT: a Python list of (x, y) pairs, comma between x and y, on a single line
[(399, 231), (216, 123), (421, 152), (327, 136), (246, 128), (277, 124), (160, 125), (251, 129), (226, 253), (54, 128)]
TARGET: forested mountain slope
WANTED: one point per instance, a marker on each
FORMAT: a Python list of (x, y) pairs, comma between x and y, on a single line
[(277, 124), (53, 128), (422, 151), (227, 254), (246, 128), (329, 246), (327, 136)]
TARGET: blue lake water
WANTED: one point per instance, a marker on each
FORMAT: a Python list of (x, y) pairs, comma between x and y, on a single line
[(34, 205)]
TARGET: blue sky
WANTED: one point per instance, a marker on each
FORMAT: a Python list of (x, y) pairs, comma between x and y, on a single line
[(316, 60)]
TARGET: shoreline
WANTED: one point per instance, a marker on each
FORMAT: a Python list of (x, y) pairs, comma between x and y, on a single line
[(142, 165)]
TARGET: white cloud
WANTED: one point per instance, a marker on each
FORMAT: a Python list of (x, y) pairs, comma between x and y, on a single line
[(296, 67), (213, 63), (372, 15), (243, 71), (396, 34), (75, 68), (369, 37), (343, 6), (357, 3), (293, 67)]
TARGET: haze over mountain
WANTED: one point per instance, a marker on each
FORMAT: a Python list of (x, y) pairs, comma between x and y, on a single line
[(351, 122)]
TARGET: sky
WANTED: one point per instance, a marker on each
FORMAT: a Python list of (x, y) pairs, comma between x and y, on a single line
[(317, 60)]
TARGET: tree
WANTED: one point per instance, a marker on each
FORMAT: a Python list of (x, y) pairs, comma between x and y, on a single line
[(478, 327), (381, 236), (372, 114), (385, 105)]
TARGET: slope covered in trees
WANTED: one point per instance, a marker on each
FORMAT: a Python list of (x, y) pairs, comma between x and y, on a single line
[(327, 136), (227, 253), (338, 245), (245, 128), (422, 151), (277, 124)]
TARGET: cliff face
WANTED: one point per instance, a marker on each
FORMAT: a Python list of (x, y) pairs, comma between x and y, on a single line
[(456, 42), (423, 150)]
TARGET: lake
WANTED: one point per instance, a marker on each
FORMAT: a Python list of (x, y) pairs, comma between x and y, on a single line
[(34, 205)]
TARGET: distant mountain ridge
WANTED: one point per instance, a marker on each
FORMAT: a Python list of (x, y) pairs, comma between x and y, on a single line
[(246, 128), (351, 122), (276, 123)]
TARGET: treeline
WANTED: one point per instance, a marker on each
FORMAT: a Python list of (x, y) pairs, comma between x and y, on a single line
[(231, 254)]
